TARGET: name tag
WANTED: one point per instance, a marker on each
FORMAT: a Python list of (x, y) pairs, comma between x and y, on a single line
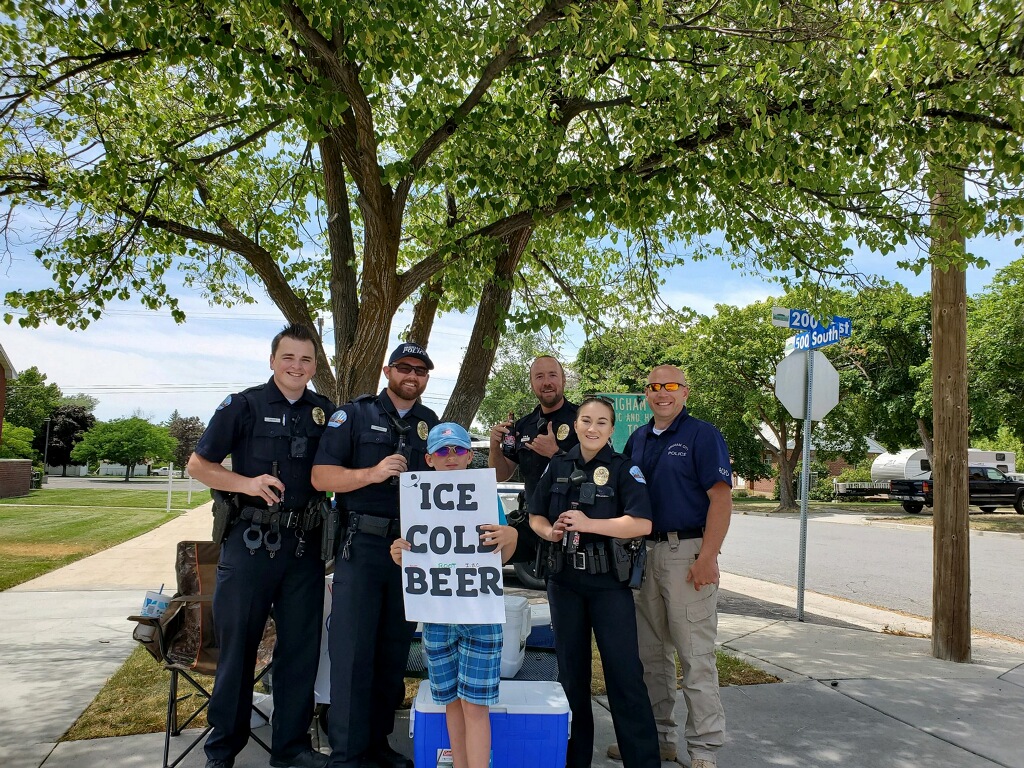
[(272, 419), (378, 429)]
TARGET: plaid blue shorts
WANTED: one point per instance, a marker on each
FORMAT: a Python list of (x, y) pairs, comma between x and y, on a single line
[(463, 662)]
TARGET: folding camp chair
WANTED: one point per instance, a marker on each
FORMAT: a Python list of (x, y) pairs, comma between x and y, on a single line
[(183, 641)]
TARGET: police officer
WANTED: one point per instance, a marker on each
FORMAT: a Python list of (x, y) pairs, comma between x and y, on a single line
[(587, 497), (368, 443), (531, 441), (689, 475), (271, 432)]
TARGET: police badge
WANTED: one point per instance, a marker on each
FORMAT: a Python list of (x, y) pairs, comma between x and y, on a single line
[(601, 476), (563, 431), (318, 416), (421, 430)]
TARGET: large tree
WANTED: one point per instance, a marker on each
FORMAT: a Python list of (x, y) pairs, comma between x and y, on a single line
[(888, 363), (348, 158), (730, 358), (186, 430), (31, 400), (68, 426), (996, 349), (127, 441), (16, 443)]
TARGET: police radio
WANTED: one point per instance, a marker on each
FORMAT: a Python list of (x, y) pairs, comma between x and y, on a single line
[(402, 448)]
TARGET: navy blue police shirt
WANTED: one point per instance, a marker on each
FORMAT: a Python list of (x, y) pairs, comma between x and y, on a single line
[(620, 488), (532, 464), (258, 427), (361, 434), (681, 465)]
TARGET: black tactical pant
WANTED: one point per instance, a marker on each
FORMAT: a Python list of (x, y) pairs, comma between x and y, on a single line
[(580, 603), (369, 642), (247, 586)]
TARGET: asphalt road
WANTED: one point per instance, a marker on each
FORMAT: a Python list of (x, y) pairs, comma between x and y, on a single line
[(151, 483), (880, 564)]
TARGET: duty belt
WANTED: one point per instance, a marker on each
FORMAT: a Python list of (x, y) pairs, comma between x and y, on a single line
[(359, 522), (592, 558), (683, 533), (302, 519), (385, 527), (284, 518)]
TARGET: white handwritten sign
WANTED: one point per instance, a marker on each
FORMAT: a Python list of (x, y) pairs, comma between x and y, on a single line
[(449, 577)]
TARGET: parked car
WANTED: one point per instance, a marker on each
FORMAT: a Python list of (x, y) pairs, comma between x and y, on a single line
[(163, 471), (988, 488)]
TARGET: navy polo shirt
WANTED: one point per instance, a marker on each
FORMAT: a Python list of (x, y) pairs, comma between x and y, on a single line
[(681, 465)]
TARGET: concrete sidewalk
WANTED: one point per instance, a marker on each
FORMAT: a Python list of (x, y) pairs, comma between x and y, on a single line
[(852, 694)]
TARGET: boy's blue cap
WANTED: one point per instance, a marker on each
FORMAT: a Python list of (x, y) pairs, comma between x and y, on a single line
[(445, 434)]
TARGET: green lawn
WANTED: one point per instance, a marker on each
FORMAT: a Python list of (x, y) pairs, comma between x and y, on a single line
[(49, 529)]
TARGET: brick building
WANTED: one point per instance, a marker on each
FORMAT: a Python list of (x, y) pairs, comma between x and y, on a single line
[(15, 474)]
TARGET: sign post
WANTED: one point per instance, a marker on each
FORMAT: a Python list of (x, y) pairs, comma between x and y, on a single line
[(794, 386)]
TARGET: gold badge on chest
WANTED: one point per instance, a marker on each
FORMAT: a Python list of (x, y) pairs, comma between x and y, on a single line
[(563, 431), (319, 417), (601, 475), (421, 430)]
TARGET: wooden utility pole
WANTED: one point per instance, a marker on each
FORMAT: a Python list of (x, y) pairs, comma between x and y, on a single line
[(951, 564)]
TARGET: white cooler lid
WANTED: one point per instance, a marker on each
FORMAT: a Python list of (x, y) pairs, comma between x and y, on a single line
[(516, 697)]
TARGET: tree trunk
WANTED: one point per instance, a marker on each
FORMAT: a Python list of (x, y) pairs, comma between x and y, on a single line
[(483, 343), (926, 435), (343, 285), (787, 468), (127, 471), (951, 574), (425, 312)]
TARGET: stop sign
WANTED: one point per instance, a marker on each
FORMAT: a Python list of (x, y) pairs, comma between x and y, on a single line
[(791, 385)]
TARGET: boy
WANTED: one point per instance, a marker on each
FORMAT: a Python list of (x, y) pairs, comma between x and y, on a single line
[(464, 660)]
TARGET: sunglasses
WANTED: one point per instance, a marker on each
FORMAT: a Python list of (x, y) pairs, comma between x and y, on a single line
[(670, 386), (405, 369), (448, 450)]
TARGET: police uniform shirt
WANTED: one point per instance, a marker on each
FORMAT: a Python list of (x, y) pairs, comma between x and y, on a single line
[(361, 434), (624, 491), (531, 464), (681, 465), (258, 427)]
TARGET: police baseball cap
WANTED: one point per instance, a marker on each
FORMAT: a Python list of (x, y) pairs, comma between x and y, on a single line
[(408, 349), (445, 434)]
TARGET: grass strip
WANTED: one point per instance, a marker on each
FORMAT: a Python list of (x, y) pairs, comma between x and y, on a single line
[(1005, 523), (37, 540)]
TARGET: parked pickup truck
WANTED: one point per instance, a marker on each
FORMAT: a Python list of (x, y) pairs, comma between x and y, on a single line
[(989, 489)]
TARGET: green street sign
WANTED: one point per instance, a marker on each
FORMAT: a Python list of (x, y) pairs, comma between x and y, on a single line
[(631, 412)]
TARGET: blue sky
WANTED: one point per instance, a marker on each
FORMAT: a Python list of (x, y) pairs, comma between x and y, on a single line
[(137, 359)]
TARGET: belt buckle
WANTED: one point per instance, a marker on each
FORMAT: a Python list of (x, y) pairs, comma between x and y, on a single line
[(290, 518), (578, 560)]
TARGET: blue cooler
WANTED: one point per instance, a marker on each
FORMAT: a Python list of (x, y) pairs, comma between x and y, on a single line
[(529, 727)]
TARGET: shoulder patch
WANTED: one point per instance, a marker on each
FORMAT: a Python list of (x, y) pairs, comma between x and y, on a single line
[(225, 404), (338, 418), (637, 475)]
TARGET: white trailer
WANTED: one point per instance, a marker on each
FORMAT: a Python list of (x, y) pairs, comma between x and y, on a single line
[(913, 464)]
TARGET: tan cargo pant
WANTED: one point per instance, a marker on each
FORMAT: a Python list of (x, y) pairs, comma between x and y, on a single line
[(674, 617)]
